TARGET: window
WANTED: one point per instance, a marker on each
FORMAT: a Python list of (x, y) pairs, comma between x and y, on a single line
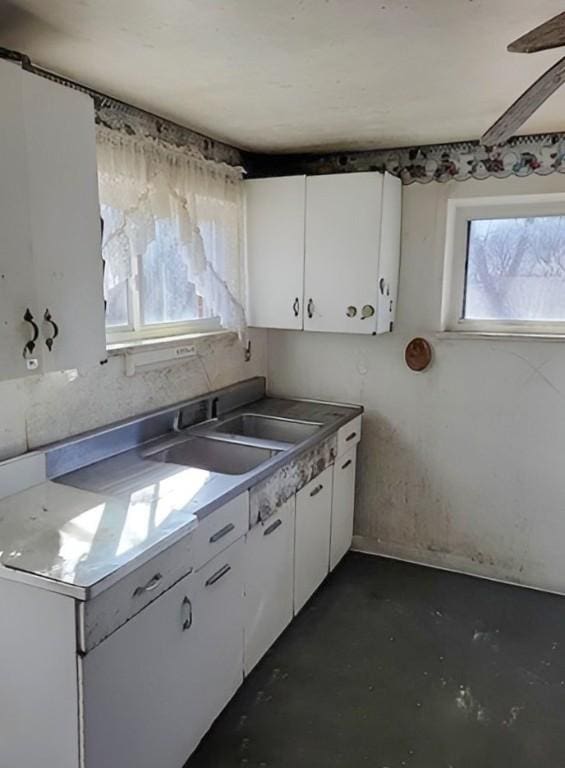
[(171, 240), (151, 294), (505, 265)]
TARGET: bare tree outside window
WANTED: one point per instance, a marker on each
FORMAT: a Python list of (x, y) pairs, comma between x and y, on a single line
[(516, 269)]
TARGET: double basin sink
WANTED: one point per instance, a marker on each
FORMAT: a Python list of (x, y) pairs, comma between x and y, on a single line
[(235, 446)]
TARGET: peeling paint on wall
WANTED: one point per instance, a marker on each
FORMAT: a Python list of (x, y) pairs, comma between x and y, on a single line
[(267, 497)]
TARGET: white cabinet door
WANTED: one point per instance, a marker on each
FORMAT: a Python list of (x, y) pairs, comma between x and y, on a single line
[(312, 540), (344, 219), (65, 222), (218, 623), (343, 505), (141, 705), (275, 251), (269, 579), (17, 281), (38, 690)]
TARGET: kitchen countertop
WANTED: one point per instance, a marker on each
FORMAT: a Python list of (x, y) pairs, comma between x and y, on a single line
[(89, 528)]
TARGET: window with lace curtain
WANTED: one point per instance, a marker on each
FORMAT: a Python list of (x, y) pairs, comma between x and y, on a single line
[(172, 240)]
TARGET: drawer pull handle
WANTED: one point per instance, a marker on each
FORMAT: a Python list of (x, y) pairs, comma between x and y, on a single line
[(272, 528), (347, 463), (221, 533), (186, 613), (316, 490), (350, 437), (152, 584), (218, 575)]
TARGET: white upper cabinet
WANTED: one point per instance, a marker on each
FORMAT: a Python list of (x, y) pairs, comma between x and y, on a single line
[(346, 216), (336, 247), (17, 284), (51, 291), (275, 251)]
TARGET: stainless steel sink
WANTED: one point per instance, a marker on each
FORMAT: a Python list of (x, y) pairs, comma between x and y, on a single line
[(214, 455), (272, 428)]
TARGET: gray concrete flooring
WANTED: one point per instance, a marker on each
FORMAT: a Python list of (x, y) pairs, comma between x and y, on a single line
[(393, 665)]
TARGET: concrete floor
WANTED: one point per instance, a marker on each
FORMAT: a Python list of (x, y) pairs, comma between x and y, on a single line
[(394, 665)]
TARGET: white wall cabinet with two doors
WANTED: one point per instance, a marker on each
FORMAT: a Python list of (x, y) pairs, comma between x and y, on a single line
[(50, 250), (323, 252)]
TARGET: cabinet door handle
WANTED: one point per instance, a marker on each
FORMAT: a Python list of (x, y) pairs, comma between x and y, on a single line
[(347, 463), (186, 614), (350, 437), (310, 308), (221, 533), (218, 575), (272, 528), (296, 307), (152, 584), (317, 490), (55, 332), (30, 346)]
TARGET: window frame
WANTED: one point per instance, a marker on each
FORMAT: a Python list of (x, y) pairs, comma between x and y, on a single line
[(461, 211), (137, 330)]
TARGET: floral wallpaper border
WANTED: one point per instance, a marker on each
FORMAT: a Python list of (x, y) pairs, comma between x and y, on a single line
[(541, 154)]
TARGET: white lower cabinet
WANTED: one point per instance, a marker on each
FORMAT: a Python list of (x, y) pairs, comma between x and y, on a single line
[(218, 633), (154, 687), (312, 539), (141, 699), (343, 503), (269, 579), (148, 691)]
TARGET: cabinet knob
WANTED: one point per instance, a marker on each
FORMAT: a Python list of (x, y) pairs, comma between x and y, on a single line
[(54, 332), (296, 307), (310, 308), (351, 311), (367, 311)]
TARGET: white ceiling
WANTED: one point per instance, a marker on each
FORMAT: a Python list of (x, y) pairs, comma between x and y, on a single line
[(294, 75)]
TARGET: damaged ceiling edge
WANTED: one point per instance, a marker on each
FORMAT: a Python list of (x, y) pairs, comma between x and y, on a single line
[(541, 154)]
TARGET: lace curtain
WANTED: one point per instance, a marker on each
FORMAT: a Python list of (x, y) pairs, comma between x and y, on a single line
[(147, 186)]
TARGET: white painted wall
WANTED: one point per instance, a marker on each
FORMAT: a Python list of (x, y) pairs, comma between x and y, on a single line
[(41, 409), (462, 466)]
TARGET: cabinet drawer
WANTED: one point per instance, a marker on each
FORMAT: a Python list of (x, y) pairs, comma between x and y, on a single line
[(109, 610), (220, 529), (349, 435)]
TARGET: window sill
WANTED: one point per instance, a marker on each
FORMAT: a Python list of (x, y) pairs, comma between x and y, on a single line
[(161, 342), (498, 336), (146, 354)]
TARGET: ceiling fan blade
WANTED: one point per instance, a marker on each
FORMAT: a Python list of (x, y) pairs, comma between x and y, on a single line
[(516, 115), (550, 34)]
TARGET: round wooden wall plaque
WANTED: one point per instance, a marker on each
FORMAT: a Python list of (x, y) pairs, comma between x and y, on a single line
[(418, 354)]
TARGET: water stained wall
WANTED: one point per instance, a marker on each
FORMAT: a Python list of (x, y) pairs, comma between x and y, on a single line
[(460, 466)]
